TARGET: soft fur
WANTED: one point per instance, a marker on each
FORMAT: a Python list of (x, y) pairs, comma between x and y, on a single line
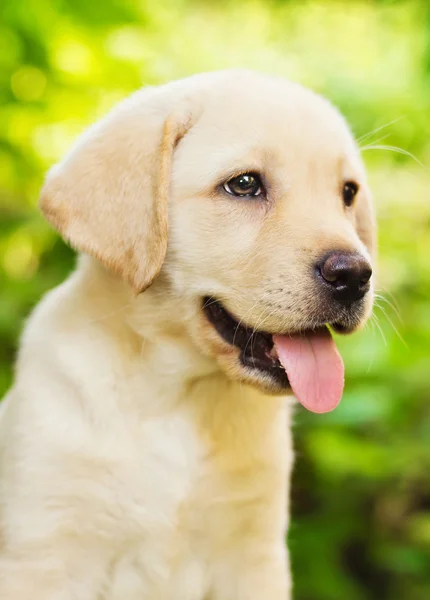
[(138, 459)]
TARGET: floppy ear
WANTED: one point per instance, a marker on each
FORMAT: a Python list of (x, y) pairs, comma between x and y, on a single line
[(365, 222), (108, 198)]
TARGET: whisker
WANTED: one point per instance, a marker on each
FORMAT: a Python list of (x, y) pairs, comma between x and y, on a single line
[(392, 149), (370, 323), (393, 298), (368, 135), (396, 331), (211, 300), (259, 325), (394, 308), (380, 139), (252, 336), (111, 314), (375, 319), (242, 319)]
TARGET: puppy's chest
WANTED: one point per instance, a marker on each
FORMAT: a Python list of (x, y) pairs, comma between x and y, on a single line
[(170, 524), (159, 501), (162, 472), (155, 483)]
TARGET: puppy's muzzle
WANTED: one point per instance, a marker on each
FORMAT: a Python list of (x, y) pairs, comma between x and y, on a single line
[(346, 276)]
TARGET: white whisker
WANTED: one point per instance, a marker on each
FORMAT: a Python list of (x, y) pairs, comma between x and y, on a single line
[(380, 139), (110, 314), (211, 300), (375, 319), (396, 331), (394, 308), (388, 293), (368, 135), (242, 319), (392, 149)]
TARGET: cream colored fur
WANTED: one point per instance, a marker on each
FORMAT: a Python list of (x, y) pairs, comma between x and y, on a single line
[(138, 459)]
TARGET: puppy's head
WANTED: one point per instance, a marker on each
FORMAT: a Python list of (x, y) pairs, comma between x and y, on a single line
[(248, 196)]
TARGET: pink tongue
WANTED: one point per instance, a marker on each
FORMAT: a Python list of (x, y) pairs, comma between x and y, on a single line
[(314, 368)]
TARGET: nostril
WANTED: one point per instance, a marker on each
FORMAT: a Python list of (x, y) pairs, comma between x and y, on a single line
[(366, 275), (329, 273), (334, 270)]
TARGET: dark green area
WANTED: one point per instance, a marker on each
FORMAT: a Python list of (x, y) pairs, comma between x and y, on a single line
[(361, 501)]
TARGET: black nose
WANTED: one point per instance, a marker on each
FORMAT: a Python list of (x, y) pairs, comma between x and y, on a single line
[(346, 274)]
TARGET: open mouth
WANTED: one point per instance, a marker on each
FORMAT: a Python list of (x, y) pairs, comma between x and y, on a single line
[(306, 362), (257, 350)]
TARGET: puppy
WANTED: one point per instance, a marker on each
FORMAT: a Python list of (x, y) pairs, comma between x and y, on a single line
[(224, 221)]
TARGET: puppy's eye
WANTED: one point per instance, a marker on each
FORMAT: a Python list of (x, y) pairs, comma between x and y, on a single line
[(349, 192), (247, 184)]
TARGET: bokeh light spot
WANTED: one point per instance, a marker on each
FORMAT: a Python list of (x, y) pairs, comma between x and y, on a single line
[(28, 83), (19, 258)]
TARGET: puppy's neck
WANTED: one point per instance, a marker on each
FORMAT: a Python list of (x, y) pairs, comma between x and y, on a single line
[(150, 328)]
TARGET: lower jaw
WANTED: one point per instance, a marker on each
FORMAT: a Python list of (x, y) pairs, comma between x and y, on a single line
[(274, 375)]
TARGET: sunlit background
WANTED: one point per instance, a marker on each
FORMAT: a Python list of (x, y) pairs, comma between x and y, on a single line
[(361, 500)]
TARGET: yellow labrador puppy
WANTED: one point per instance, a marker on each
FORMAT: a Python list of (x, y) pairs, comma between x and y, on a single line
[(224, 221)]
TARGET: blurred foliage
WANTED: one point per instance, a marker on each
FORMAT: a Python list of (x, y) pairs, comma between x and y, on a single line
[(361, 499)]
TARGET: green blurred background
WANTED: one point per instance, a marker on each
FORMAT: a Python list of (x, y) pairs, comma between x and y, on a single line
[(361, 499)]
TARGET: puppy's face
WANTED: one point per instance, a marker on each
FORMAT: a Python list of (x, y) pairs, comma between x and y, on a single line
[(269, 221), (244, 198)]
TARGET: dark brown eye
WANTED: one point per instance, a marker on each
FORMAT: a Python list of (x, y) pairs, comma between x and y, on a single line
[(350, 189), (247, 184)]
